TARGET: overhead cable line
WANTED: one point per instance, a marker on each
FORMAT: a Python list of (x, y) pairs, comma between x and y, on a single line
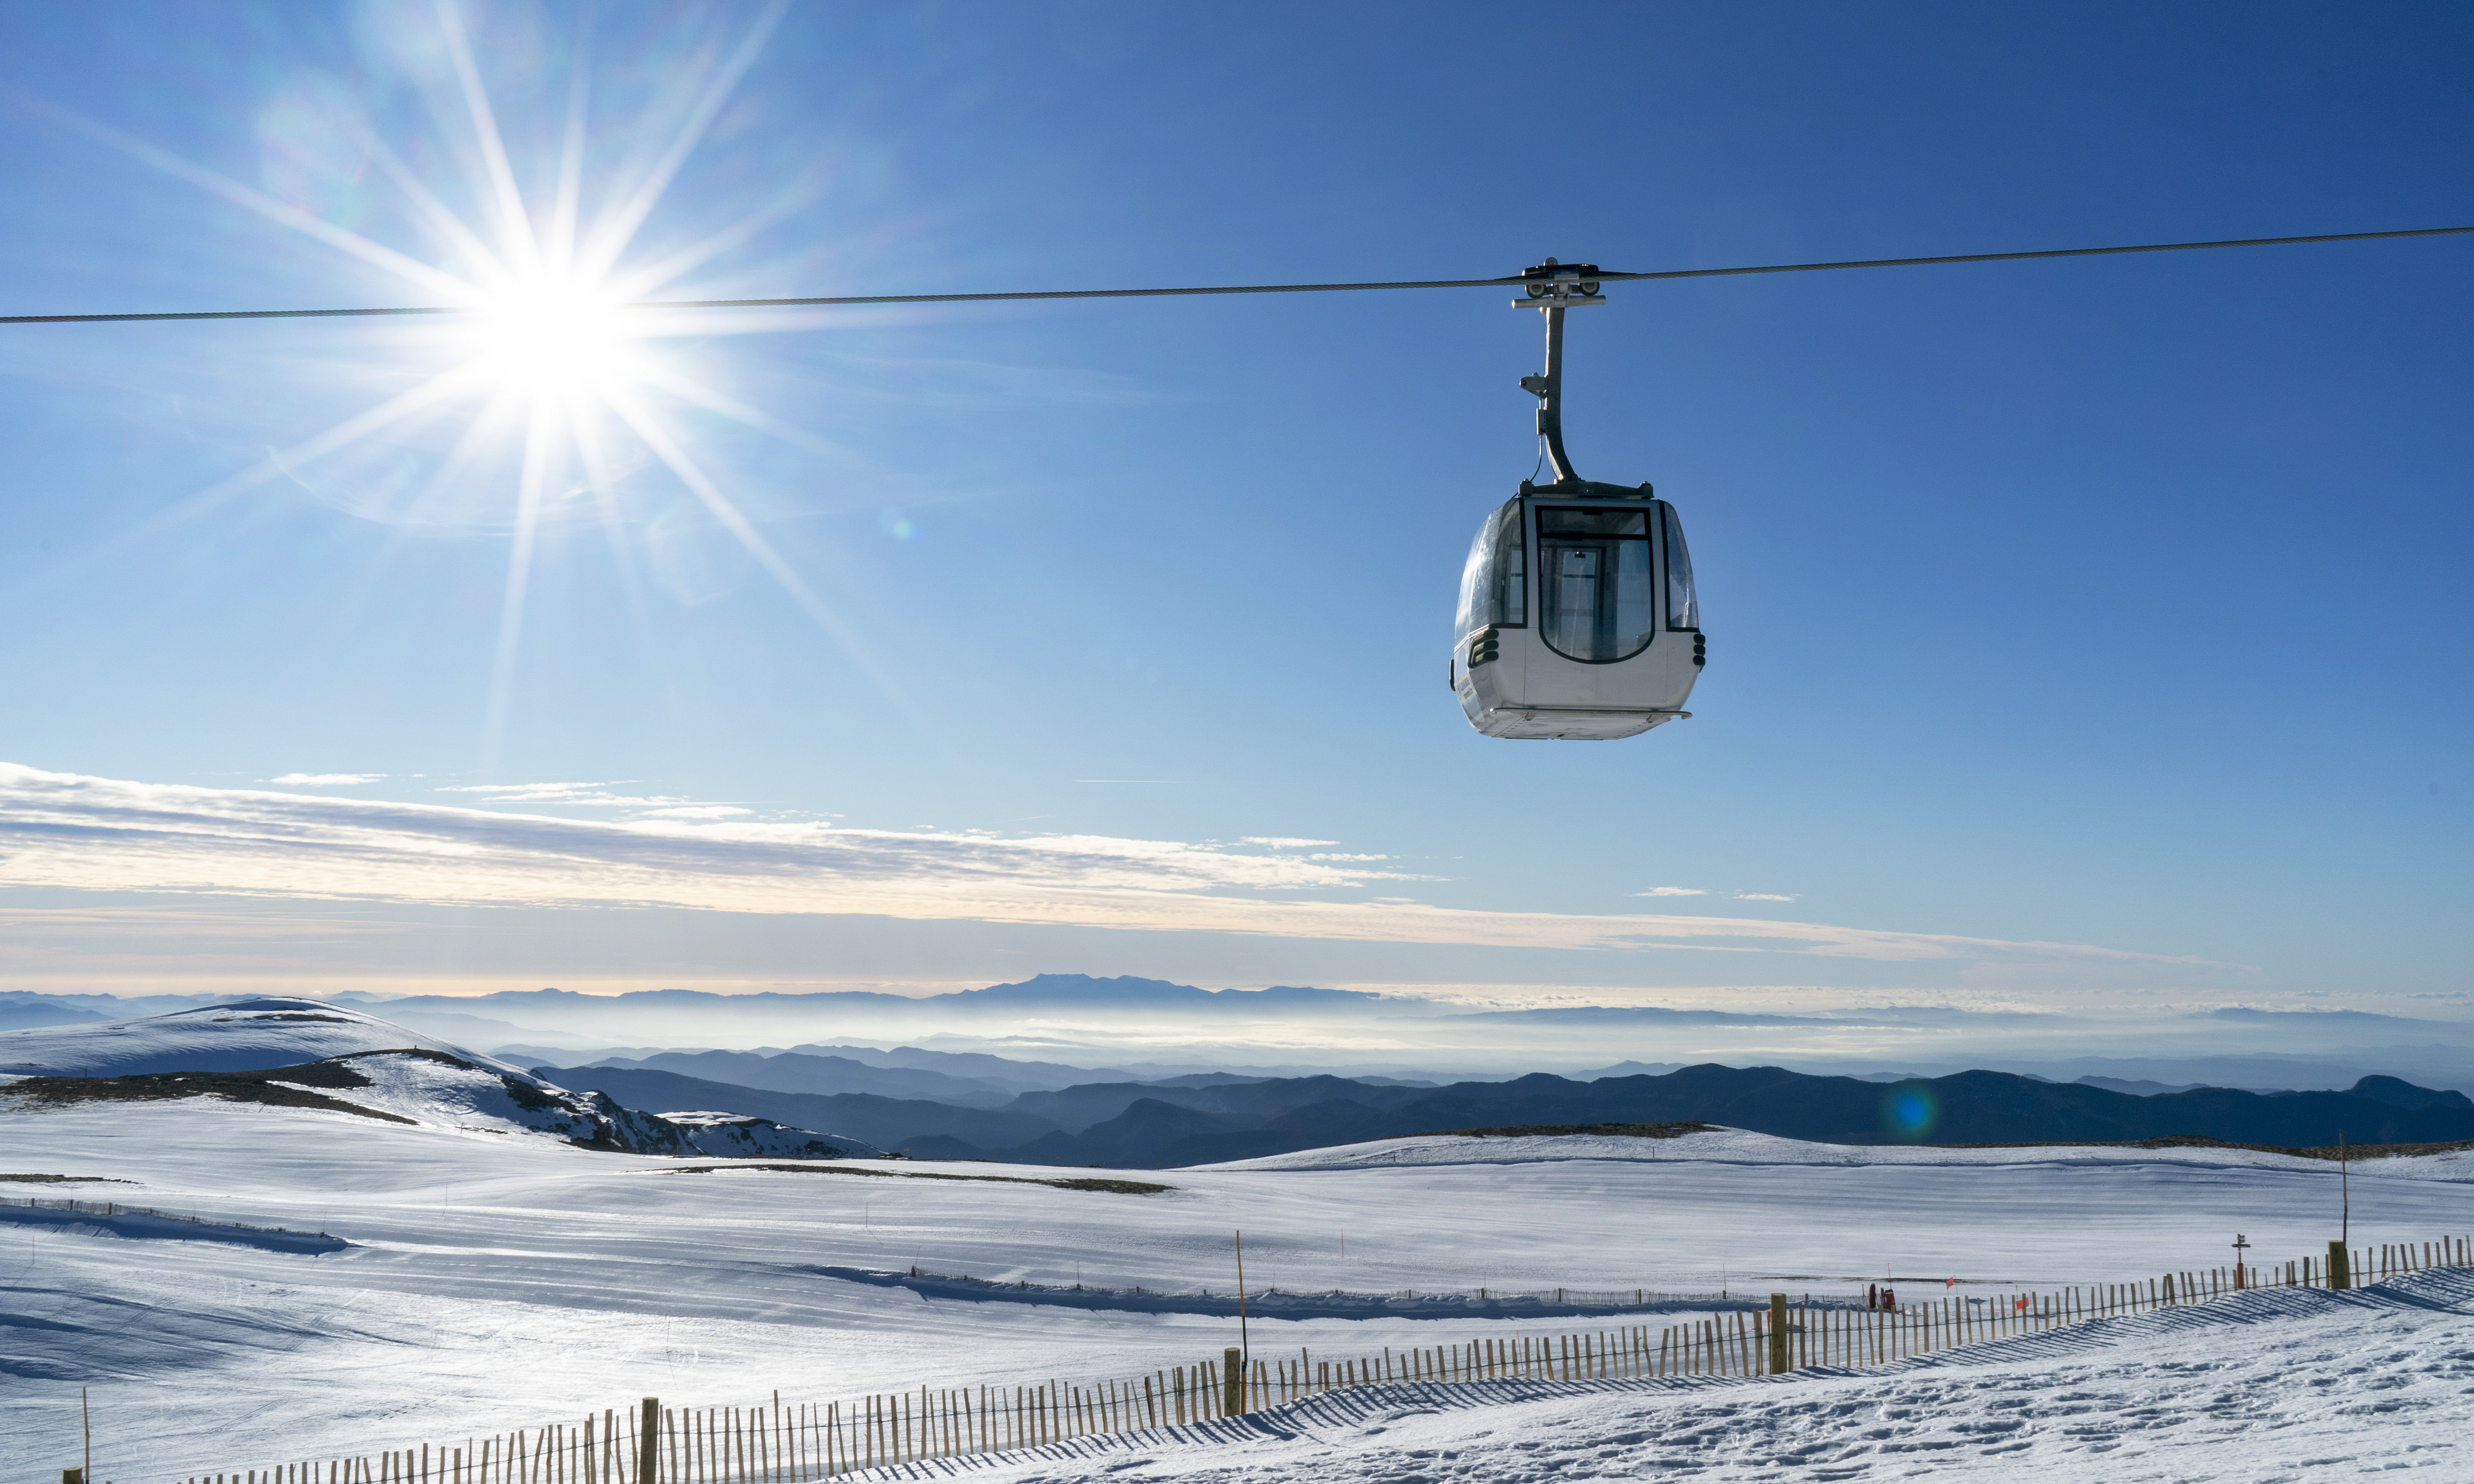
[(1512, 280)]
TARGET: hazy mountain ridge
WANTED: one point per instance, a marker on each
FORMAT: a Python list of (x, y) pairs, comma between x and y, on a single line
[(888, 1122), (1045, 990), (1151, 1126), (1076, 1029), (23, 1009), (792, 1071)]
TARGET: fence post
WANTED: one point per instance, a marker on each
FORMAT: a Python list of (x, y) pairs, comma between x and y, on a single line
[(648, 1439), (1232, 1383), (2341, 1268), (1778, 1334)]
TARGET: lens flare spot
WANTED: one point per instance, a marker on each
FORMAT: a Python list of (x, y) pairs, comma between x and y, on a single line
[(1912, 1110)]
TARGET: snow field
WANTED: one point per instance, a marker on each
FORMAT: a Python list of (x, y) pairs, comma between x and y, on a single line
[(1742, 1146), (503, 1280)]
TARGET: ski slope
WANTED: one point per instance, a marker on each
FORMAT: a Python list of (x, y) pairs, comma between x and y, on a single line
[(499, 1278)]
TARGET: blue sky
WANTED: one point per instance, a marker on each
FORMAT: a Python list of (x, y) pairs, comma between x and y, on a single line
[(2114, 608)]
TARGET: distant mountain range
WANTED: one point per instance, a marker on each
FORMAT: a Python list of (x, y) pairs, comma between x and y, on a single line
[(1040, 991), (1152, 1124), (20, 1010), (1086, 1114), (1083, 1019), (948, 1105), (793, 1071)]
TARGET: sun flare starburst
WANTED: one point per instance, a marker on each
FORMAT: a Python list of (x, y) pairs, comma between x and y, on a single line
[(550, 397)]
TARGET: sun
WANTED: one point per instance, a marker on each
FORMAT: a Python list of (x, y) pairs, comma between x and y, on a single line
[(556, 339)]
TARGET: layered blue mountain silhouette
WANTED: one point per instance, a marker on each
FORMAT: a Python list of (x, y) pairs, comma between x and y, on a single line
[(1157, 1125)]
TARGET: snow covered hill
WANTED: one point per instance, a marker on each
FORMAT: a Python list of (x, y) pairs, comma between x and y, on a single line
[(1741, 1146), (247, 1036), (301, 1054)]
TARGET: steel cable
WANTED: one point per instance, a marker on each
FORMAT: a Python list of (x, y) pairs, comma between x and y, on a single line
[(1511, 282)]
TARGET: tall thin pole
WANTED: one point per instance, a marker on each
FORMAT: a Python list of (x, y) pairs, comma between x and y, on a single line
[(2345, 1188), (86, 1425), (1245, 1347)]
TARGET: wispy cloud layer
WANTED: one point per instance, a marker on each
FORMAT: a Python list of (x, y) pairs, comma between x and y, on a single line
[(325, 780), (64, 830)]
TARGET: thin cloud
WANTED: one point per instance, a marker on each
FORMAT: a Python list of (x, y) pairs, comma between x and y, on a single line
[(1673, 891), (1762, 896), (530, 790), (64, 830), (593, 795), (1284, 842), (325, 780)]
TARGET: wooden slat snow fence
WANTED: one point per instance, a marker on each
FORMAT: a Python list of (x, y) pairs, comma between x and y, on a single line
[(773, 1444)]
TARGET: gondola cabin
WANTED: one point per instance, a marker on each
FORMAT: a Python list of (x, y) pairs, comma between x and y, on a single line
[(1578, 618)]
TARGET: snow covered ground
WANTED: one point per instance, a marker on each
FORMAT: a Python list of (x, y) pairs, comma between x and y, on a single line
[(1741, 1146), (497, 1278), (2266, 1387)]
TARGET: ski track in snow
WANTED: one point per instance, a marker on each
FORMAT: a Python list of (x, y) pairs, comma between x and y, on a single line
[(499, 1278)]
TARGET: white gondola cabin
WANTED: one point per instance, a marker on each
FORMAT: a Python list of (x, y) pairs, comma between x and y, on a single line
[(1578, 618)]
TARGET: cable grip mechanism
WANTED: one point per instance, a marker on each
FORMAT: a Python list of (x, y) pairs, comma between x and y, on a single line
[(1554, 287)]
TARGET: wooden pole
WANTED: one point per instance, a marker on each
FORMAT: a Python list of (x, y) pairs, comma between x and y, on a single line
[(1232, 1383), (2341, 1270), (1246, 1347), (648, 1439)]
